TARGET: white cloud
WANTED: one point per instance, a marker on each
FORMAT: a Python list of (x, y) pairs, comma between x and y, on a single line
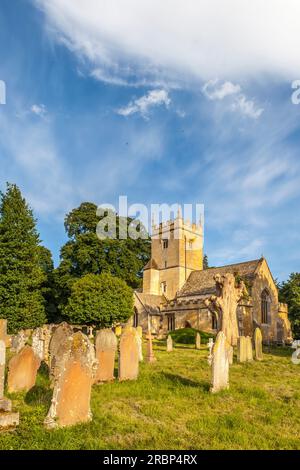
[(39, 109), (214, 92), (190, 40), (247, 107), (145, 103)]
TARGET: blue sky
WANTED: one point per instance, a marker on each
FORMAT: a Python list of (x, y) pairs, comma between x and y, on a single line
[(164, 103)]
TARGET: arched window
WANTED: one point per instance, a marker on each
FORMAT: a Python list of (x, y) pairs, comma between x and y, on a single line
[(135, 318), (265, 306)]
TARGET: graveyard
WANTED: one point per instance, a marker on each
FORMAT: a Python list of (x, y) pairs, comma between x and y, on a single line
[(169, 406)]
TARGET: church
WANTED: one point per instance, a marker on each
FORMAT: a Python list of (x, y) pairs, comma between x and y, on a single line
[(175, 287)]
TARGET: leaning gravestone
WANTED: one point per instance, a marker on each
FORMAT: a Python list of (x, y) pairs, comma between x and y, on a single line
[(106, 347), (198, 340), (249, 349), (70, 403), (220, 364), (8, 419), (128, 355), (60, 344), (169, 344), (139, 332), (258, 344), (22, 370)]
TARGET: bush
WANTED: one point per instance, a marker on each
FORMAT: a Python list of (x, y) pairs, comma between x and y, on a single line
[(188, 336), (100, 300)]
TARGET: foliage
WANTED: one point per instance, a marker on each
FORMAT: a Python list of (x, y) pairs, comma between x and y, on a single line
[(205, 262), (85, 253), (188, 336), (48, 286), (99, 299), (21, 273), (289, 292)]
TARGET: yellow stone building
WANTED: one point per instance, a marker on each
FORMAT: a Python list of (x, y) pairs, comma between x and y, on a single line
[(175, 286)]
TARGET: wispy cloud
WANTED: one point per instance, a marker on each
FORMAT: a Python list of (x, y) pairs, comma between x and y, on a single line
[(247, 107), (144, 104), (39, 109), (213, 91)]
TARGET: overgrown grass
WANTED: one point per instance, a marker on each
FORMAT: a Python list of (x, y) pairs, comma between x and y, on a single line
[(170, 407)]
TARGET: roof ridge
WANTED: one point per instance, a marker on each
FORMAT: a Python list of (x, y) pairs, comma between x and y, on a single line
[(228, 265)]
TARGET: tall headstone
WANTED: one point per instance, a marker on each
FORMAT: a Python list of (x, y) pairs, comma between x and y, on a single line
[(72, 389), (60, 344), (106, 347), (258, 344), (198, 340), (169, 344), (128, 355), (8, 419), (220, 364), (38, 343), (139, 332), (242, 349), (22, 370), (249, 349), (210, 345)]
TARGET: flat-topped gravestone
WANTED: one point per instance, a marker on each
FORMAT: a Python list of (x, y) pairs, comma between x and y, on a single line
[(249, 349), (72, 389), (242, 349), (169, 344), (106, 347), (128, 355), (198, 340), (22, 370), (220, 364), (60, 344), (258, 344)]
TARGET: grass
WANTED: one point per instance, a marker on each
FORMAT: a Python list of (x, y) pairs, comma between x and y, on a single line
[(170, 407), (188, 336)]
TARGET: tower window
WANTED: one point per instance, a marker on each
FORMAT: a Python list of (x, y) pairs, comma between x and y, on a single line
[(171, 322), (265, 306), (163, 287), (166, 264), (165, 244), (214, 322)]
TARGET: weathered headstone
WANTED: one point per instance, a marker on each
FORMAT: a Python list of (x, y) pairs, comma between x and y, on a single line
[(128, 355), (169, 344), (224, 305), (139, 332), (106, 347), (198, 340), (18, 341), (22, 370), (38, 343), (258, 344), (72, 389), (8, 419), (249, 349), (220, 364), (210, 345), (242, 349), (60, 344)]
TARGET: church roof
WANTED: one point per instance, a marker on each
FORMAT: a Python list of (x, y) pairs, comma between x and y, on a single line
[(150, 302), (203, 283), (152, 264)]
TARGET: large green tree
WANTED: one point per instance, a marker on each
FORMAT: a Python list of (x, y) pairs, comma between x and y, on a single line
[(21, 273), (85, 253), (289, 292), (101, 300)]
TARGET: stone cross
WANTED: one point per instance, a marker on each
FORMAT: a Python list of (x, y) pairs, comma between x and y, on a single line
[(169, 344), (224, 305), (198, 340), (220, 364), (258, 344)]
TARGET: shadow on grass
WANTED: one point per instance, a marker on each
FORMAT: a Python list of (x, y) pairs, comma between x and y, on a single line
[(38, 395), (279, 351), (178, 379), (44, 370)]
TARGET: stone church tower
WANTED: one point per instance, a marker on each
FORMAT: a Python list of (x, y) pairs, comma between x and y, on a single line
[(176, 251)]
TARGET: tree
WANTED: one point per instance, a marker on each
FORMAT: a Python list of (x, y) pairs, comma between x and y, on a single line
[(289, 292), (85, 253), (205, 262), (101, 300), (48, 286), (21, 274)]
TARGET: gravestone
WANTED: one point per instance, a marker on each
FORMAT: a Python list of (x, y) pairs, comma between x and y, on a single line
[(3, 329), (258, 344), (106, 347), (169, 344), (198, 340), (242, 349), (38, 343), (210, 345), (22, 370), (139, 332), (220, 364), (8, 419), (128, 355), (249, 349), (18, 341), (70, 403), (60, 344)]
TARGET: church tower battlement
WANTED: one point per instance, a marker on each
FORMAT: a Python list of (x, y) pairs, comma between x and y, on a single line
[(176, 251)]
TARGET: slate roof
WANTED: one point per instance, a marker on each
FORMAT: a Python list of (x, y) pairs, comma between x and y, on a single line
[(203, 283), (151, 302)]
